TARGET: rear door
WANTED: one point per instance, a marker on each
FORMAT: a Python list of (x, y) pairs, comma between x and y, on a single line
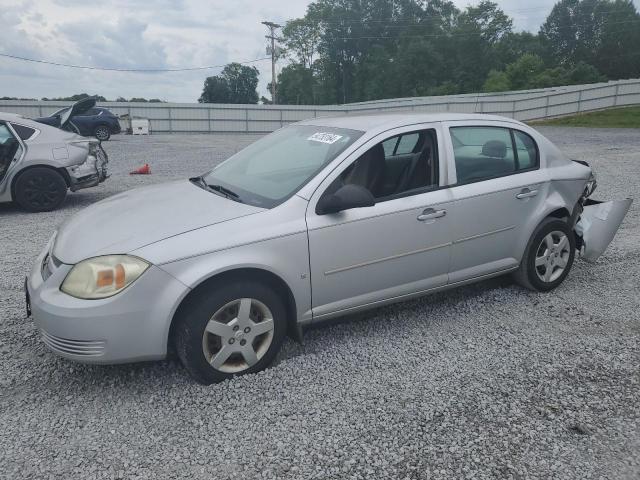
[(498, 185)]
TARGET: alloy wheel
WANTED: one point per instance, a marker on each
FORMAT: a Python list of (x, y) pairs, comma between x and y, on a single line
[(102, 133), (552, 256), (41, 191), (238, 335)]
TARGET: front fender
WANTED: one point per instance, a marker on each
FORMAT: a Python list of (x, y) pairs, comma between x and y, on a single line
[(286, 257)]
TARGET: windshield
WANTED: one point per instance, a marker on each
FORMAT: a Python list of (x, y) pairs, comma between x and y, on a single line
[(59, 112), (272, 169)]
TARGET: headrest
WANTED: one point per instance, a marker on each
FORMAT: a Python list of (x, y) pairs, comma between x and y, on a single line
[(495, 149)]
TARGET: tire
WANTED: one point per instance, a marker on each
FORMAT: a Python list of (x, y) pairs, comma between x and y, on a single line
[(548, 257), (40, 189), (220, 327), (102, 133)]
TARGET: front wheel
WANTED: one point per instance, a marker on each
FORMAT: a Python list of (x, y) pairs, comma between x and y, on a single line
[(231, 330), (548, 257), (102, 133)]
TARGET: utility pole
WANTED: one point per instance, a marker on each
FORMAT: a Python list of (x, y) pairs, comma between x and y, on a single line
[(272, 36)]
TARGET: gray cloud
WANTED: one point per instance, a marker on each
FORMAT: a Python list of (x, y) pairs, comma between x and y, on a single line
[(151, 34)]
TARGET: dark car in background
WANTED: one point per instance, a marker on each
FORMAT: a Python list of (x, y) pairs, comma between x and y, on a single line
[(86, 119)]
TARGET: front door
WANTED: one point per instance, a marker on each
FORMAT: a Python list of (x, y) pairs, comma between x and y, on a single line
[(399, 246)]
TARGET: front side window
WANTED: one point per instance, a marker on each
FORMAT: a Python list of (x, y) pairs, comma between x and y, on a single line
[(272, 169), (482, 153), (411, 167), (10, 149)]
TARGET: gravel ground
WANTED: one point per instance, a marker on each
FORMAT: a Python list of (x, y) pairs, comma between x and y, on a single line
[(485, 381)]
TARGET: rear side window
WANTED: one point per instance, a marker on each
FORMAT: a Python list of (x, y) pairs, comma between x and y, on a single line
[(526, 150), (25, 133), (482, 153)]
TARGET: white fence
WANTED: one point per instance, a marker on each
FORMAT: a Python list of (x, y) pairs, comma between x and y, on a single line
[(213, 118)]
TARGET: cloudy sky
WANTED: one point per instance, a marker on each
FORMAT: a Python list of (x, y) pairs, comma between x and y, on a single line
[(151, 34)]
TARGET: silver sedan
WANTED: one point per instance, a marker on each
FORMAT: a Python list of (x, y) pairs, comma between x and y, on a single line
[(40, 163), (316, 220)]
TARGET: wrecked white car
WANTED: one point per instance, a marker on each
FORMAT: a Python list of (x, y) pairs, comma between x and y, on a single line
[(40, 163)]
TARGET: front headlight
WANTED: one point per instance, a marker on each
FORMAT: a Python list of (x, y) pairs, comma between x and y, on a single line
[(102, 277)]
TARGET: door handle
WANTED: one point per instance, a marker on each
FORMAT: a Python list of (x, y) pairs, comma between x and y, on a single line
[(431, 214), (526, 193)]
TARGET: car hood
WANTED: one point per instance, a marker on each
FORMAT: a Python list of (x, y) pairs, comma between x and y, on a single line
[(133, 219)]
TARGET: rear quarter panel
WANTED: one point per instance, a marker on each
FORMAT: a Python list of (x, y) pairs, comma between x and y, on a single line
[(565, 182)]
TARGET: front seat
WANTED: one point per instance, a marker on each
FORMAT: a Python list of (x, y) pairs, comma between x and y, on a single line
[(368, 171)]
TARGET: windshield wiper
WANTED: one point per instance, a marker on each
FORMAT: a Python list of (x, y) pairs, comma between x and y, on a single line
[(225, 191), (219, 189)]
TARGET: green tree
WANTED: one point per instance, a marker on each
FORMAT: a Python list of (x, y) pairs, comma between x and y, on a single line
[(496, 82), (216, 90), (478, 32), (295, 85), (300, 38), (602, 33), (236, 84), (77, 97), (522, 71), (515, 44)]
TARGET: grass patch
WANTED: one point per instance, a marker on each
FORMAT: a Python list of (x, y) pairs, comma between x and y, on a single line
[(628, 117)]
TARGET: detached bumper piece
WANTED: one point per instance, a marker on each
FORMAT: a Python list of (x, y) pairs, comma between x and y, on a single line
[(598, 224)]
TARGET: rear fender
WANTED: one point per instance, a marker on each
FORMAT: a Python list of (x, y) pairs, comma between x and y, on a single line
[(598, 224)]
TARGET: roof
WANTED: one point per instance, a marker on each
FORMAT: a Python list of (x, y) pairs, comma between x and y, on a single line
[(393, 120), (11, 117), (15, 118)]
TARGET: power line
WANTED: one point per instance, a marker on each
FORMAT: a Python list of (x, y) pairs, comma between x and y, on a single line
[(138, 70)]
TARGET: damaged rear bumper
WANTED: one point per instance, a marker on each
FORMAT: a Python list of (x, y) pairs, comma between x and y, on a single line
[(90, 173), (598, 224)]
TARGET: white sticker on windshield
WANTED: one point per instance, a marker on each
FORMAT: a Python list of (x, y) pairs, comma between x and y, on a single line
[(322, 137)]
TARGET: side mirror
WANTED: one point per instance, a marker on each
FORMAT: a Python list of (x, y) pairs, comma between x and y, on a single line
[(345, 198)]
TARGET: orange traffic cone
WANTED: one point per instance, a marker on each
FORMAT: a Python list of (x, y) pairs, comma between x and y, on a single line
[(144, 170)]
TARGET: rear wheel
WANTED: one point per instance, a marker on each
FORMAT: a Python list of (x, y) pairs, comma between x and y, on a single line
[(548, 257), (102, 133), (40, 189), (231, 330)]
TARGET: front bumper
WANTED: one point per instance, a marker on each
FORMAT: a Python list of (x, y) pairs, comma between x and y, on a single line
[(91, 173), (130, 326)]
